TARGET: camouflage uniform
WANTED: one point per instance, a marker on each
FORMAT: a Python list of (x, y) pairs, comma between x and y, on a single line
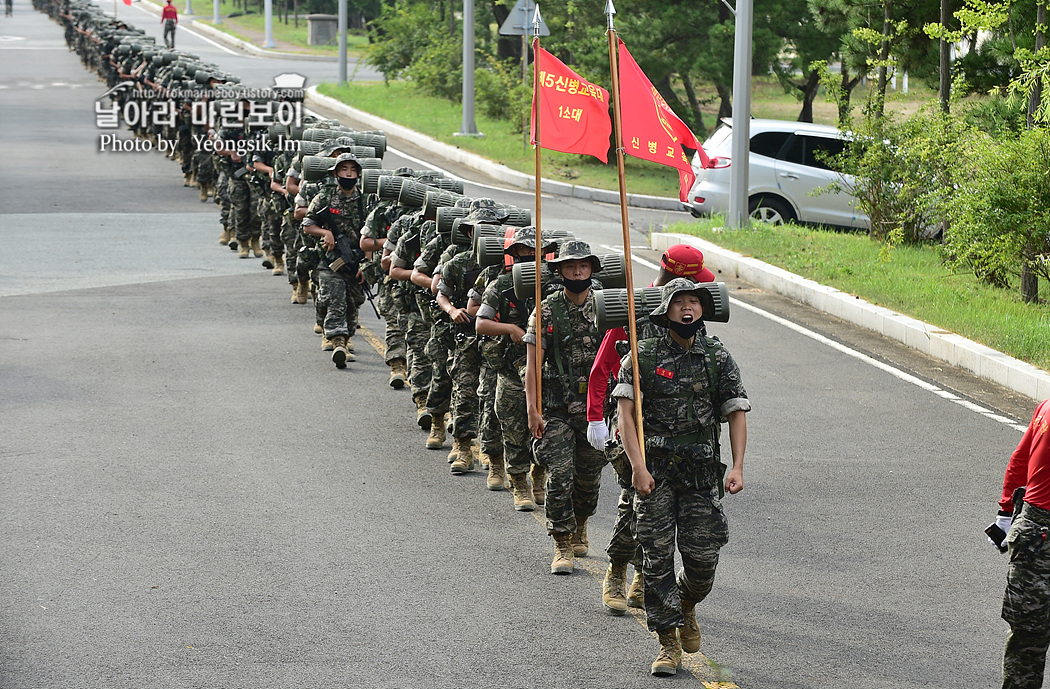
[(1026, 603), (377, 226), (574, 468), (457, 278), (404, 234), (442, 343), (686, 393), (508, 359), (489, 433), (341, 297)]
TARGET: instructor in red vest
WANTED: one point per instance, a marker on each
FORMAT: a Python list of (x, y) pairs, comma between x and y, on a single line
[(169, 17)]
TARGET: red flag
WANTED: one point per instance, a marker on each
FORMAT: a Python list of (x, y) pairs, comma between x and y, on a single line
[(574, 112), (650, 128)]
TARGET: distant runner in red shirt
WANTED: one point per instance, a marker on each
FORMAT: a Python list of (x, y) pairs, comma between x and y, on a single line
[(1026, 603), (681, 260), (169, 17)]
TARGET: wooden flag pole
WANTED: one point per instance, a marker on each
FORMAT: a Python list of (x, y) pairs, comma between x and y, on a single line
[(618, 138), (539, 215)]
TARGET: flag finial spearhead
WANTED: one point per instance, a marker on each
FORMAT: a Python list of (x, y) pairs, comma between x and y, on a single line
[(609, 12), (537, 21)]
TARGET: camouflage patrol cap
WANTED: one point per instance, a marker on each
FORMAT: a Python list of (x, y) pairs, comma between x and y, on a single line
[(404, 172), (480, 216), (525, 237), (679, 286), (331, 146), (575, 250), (428, 179), (483, 203), (346, 158)]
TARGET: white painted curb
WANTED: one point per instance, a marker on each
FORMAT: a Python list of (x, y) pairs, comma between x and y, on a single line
[(940, 344), (495, 170)]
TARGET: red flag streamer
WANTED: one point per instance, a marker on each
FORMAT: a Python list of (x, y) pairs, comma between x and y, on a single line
[(574, 111), (651, 130)]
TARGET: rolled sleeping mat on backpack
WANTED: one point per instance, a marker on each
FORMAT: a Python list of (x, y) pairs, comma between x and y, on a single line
[(612, 275), (483, 229), (320, 135), (453, 185), (277, 132), (370, 179), (364, 152), (413, 194), (519, 217), (309, 148), (371, 164), (436, 198), (610, 305), (446, 215), (428, 173), (489, 250), (316, 167), (376, 141), (389, 188)]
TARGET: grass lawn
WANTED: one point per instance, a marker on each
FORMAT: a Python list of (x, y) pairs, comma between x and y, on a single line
[(251, 27), (908, 279)]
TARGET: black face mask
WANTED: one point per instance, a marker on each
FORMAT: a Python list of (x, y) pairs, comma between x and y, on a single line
[(524, 259), (576, 286), (347, 183), (686, 330)]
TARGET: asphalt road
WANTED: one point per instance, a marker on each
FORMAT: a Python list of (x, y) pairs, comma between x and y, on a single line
[(192, 496)]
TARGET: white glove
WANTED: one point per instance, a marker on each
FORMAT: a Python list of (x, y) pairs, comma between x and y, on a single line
[(1003, 522), (597, 434)]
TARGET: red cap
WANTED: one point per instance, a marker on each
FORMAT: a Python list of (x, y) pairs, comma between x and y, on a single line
[(683, 260)]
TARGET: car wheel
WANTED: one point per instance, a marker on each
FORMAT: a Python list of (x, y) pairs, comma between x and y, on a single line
[(770, 210)]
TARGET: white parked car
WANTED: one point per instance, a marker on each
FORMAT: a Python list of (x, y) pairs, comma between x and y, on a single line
[(786, 167)]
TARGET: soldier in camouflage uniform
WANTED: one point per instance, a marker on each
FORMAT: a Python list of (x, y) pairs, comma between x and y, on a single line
[(490, 433), (373, 241), (455, 281), (569, 342), (332, 213), (689, 384), (1026, 603), (404, 235), (503, 318)]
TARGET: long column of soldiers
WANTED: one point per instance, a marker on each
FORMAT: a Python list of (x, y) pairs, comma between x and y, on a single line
[(311, 199)]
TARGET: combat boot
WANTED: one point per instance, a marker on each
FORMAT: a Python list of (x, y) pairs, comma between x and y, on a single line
[(539, 484), (302, 292), (519, 490), (497, 473), (636, 594), (613, 596), (278, 265), (437, 432), (226, 236), (243, 251), (564, 561), (350, 345), (295, 292), (398, 374), (670, 658), (423, 417), (580, 543), (475, 450), (689, 634), (187, 180), (339, 353), (267, 261), (326, 344), (464, 461), (204, 193), (318, 329), (256, 248)]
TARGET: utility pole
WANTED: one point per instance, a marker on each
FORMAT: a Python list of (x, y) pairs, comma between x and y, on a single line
[(268, 21), (342, 42), (217, 14), (468, 126), (741, 148)]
